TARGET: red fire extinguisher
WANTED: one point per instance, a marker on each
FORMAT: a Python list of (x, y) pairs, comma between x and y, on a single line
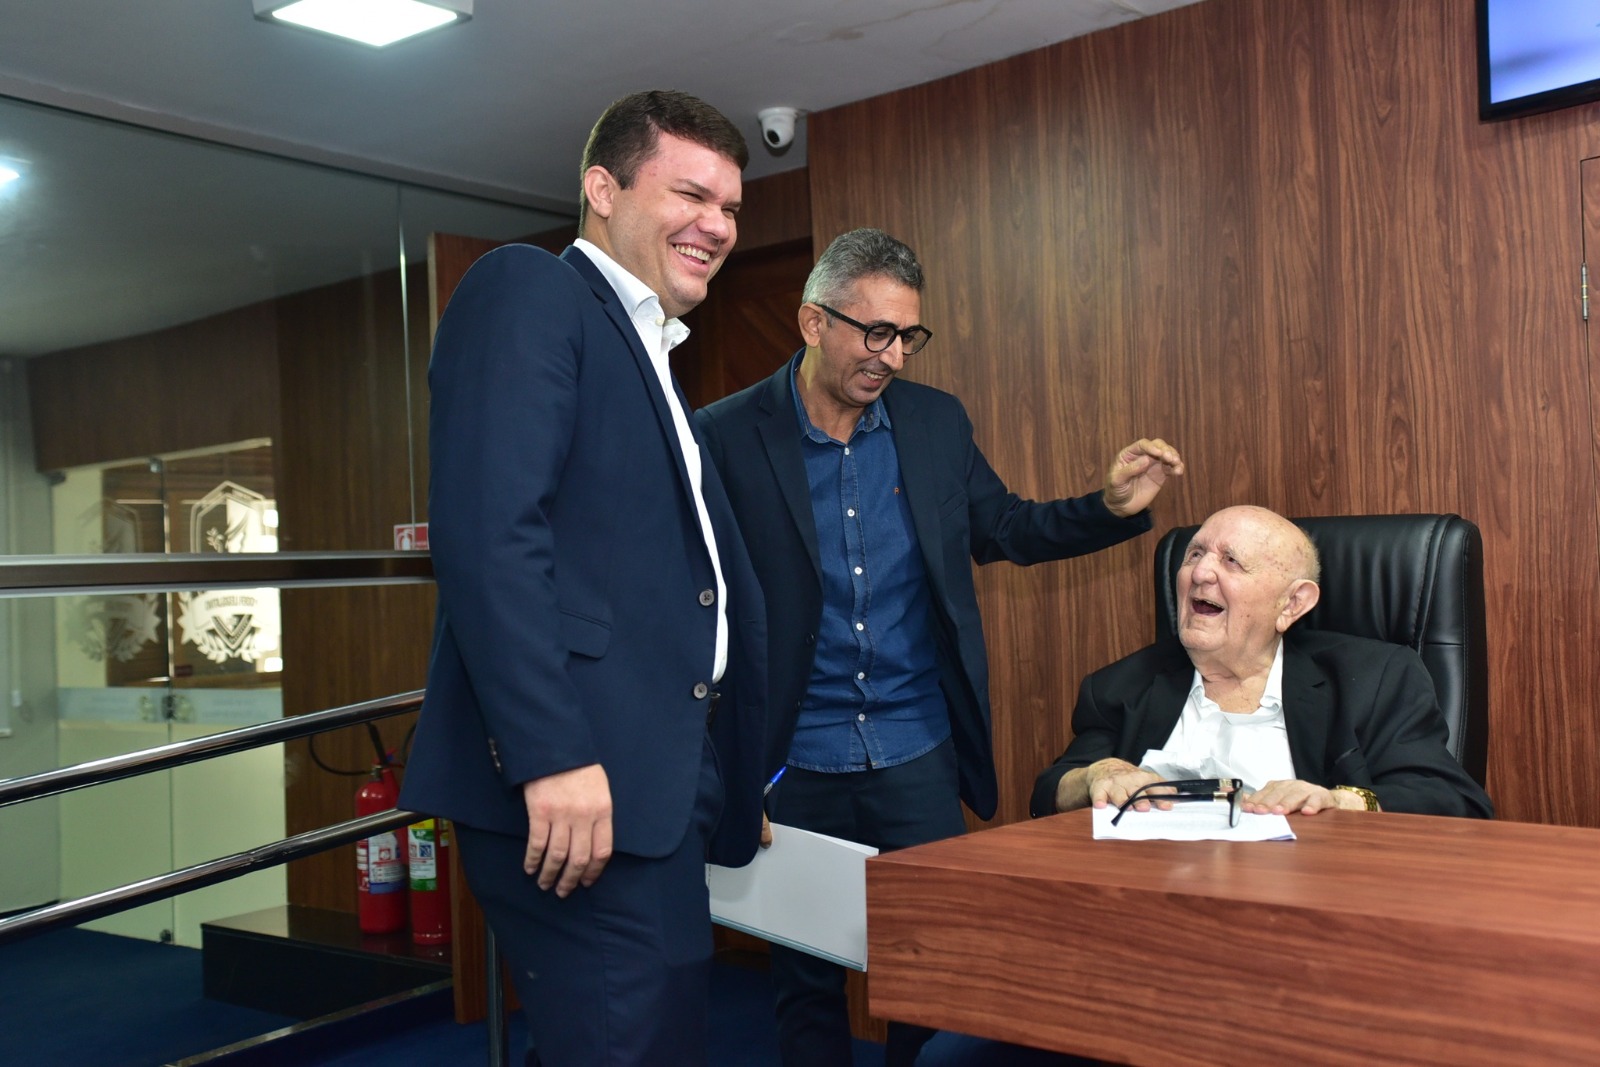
[(429, 857), (380, 863)]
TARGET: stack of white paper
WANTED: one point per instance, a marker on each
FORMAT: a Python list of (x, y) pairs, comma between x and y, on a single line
[(1189, 822), (808, 891)]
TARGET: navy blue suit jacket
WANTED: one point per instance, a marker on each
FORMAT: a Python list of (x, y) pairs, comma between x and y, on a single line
[(961, 512), (1357, 712), (573, 626)]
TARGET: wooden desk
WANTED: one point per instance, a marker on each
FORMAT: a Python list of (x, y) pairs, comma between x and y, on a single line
[(1371, 939)]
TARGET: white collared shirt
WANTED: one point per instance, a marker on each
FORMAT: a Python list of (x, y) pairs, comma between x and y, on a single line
[(660, 335), (1208, 742)]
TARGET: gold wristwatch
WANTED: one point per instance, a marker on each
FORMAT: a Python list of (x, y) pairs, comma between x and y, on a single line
[(1368, 797)]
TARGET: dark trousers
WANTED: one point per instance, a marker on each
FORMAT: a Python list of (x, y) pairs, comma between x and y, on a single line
[(618, 973), (895, 807)]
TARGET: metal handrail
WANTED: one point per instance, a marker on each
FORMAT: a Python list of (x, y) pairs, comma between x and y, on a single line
[(120, 898), (154, 572), (164, 757), (26, 576), (22, 576)]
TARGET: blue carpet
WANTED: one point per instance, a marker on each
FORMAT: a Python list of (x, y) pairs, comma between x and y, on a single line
[(76, 997), (742, 1033)]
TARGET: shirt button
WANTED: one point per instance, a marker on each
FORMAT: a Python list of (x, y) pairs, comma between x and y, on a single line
[(860, 675), (811, 639), (847, 450), (700, 690), (850, 512), (707, 598), (861, 626), (858, 570), (861, 717)]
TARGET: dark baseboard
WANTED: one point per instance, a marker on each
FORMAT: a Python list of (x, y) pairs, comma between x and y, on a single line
[(310, 962)]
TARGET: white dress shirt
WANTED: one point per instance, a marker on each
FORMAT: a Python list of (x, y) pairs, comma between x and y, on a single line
[(660, 335), (1208, 742)]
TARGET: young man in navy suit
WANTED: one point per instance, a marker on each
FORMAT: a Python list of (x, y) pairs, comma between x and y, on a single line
[(865, 501), (594, 713)]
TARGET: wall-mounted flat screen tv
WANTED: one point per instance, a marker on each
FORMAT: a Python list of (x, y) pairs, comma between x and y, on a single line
[(1536, 55)]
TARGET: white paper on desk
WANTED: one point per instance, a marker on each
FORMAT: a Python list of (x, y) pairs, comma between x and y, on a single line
[(808, 891), (1189, 822)]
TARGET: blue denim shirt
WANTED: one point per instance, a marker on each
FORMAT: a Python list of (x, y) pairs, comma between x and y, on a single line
[(874, 698)]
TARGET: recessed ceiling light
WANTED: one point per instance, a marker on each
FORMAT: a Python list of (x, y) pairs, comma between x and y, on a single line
[(374, 22)]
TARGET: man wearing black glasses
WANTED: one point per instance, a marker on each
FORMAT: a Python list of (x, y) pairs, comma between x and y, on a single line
[(863, 500), (1271, 719)]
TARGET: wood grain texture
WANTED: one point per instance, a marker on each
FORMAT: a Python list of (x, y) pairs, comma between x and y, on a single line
[(747, 325), (206, 383), (1274, 233), (776, 210), (1367, 940), (343, 481)]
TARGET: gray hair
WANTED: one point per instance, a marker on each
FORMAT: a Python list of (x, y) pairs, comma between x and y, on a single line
[(862, 253), (1310, 558)]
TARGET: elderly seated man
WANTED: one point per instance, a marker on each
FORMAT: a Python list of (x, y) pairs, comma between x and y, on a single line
[(1308, 719)]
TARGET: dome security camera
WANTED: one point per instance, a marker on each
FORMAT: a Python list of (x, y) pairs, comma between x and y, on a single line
[(777, 125)]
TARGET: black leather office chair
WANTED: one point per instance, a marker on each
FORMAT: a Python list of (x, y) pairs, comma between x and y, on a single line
[(1410, 579)]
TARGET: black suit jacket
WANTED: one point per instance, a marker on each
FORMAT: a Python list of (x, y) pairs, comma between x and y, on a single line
[(961, 512), (576, 620), (1357, 712)]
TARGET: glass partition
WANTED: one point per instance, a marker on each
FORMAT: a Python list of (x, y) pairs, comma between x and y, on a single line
[(135, 670), (203, 349)]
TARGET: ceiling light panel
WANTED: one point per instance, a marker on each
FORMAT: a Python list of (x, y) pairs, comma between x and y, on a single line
[(371, 22)]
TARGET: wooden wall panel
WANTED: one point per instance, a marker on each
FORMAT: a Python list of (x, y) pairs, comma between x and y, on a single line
[(206, 383), (343, 482), (777, 210), (1273, 232)]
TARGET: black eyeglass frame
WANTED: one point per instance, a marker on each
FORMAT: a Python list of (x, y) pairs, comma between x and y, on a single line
[(1229, 789), (913, 339)]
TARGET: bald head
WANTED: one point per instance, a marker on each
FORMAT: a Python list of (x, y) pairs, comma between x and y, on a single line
[(1295, 547)]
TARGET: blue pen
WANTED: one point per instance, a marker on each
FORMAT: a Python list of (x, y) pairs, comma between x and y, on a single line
[(774, 780)]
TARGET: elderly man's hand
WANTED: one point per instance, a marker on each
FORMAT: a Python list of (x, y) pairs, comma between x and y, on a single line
[(1285, 797), (1113, 781), (1137, 475)]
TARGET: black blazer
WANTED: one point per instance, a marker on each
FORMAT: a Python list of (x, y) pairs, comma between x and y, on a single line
[(559, 493), (1357, 712), (961, 512)]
